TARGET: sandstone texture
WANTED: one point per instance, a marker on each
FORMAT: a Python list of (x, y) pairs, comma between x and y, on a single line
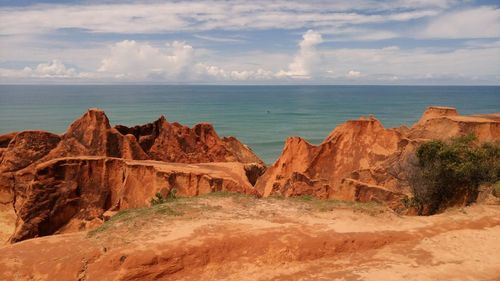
[(173, 142), (63, 183), (58, 183), (363, 161), (73, 193), (244, 238)]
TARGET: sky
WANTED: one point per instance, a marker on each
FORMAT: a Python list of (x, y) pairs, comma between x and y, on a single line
[(409, 42)]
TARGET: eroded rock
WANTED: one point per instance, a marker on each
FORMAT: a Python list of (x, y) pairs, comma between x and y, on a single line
[(361, 160), (46, 194), (173, 142), (73, 193)]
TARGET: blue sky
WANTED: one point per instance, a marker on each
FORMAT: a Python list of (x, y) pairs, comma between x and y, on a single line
[(418, 42)]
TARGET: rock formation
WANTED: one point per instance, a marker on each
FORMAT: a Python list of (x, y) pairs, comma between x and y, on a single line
[(53, 184), (47, 181), (73, 193), (4, 141), (172, 142), (449, 124), (363, 161)]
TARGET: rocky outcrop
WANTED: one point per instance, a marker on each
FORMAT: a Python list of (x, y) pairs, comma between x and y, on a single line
[(437, 112), (23, 149), (354, 190), (92, 135), (27, 148), (73, 193), (6, 138), (25, 154), (52, 184), (356, 149), (173, 142), (444, 123), (361, 160)]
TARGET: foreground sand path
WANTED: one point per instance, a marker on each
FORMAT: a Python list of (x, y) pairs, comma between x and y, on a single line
[(242, 238)]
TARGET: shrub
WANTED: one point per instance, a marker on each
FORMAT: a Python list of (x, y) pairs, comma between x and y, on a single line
[(452, 171), (496, 189), (159, 199)]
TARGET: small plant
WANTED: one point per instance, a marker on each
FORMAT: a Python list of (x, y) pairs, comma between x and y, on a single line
[(172, 194), (159, 199)]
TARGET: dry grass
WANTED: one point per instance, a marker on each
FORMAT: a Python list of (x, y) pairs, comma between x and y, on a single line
[(190, 208)]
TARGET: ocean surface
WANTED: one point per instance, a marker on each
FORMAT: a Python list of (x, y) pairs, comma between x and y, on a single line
[(260, 116)]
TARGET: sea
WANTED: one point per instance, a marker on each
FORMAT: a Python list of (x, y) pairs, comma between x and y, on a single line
[(260, 116)]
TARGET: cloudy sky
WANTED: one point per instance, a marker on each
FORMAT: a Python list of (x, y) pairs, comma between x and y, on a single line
[(251, 42)]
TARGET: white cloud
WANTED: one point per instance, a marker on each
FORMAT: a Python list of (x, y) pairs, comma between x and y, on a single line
[(130, 60), (219, 74), (475, 62), (207, 15), (481, 22), (357, 34), (53, 69), (353, 74), (219, 39), (133, 60), (305, 62), (392, 63)]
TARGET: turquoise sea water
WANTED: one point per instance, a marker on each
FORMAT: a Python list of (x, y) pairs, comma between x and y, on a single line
[(260, 116)]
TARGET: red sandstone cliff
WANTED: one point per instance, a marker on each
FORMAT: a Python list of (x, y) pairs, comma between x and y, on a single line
[(362, 157), (52, 184), (173, 142), (73, 193), (48, 182)]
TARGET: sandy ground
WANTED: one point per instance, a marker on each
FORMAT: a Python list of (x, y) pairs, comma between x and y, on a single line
[(242, 238)]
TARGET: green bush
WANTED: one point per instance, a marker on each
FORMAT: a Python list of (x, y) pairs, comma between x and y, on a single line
[(159, 199), (452, 171)]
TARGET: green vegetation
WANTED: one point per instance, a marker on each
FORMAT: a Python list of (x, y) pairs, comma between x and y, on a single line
[(161, 206), (326, 205), (452, 171), (129, 215), (159, 199), (224, 194), (496, 189)]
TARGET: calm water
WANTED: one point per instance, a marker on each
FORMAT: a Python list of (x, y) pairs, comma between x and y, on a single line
[(261, 116)]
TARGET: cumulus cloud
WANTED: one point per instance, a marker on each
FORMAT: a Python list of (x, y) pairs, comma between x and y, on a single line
[(480, 22), (305, 62), (353, 74), (53, 69), (393, 64), (135, 60), (131, 60), (176, 61), (213, 72), (475, 62)]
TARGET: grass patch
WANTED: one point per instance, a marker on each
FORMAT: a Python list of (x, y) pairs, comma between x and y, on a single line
[(170, 206), (326, 205), (126, 216), (223, 194), (190, 207)]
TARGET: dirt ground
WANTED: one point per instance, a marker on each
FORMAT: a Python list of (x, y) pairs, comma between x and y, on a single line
[(235, 237)]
